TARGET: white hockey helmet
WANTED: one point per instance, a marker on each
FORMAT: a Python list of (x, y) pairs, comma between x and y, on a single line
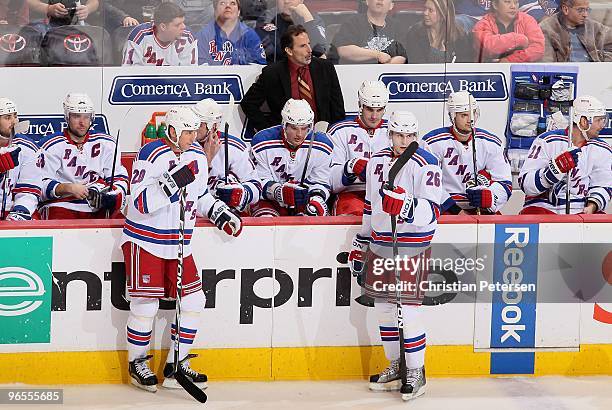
[(462, 101), (589, 107), (209, 112), (373, 94), (297, 112), (181, 118), (79, 103), (404, 122), (7, 106)]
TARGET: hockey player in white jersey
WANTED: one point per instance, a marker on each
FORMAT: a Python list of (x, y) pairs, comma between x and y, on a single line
[(163, 42), (415, 201), (243, 187), (149, 243), (355, 140), (281, 154), (20, 178), (587, 159), (77, 167), (453, 147)]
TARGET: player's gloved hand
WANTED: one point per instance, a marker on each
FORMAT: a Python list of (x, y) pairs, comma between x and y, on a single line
[(357, 256), (316, 205), (221, 215), (19, 213), (356, 168), (234, 195), (397, 202), (105, 198), (178, 177), (482, 181), (481, 197), (561, 165), (288, 194), (9, 159)]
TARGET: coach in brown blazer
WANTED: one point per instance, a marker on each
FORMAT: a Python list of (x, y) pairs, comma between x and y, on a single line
[(299, 76)]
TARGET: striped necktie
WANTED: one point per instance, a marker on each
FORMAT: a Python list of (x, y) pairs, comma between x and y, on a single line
[(303, 87)]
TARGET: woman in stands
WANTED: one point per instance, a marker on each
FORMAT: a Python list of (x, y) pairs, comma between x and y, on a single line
[(507, 35), (438, 39)]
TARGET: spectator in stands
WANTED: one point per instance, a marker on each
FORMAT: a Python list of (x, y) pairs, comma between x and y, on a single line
[(15, 12), (197, 12), (227, 41), (114, 17), (539, 9), (299, 76), (572, 36), (165, 41), (134, 8), (272, 25), (371, 37), (62, 12), (438, 39), (507, 35), (469, 12)]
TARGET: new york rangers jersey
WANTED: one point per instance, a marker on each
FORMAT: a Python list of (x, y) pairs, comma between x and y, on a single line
[(152, 219), (420, 177), (457, 166), (144, 48), (241, 47), (590, 180), (21, 186), (240, 165), (275, 161), (351, 139), (62, 162)]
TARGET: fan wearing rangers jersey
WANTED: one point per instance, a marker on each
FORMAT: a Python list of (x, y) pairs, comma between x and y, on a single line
[(165, 41), (162, 170), (243, 187), (415, 201), (453, 147), (20, 179), (77, 167), (587, 159), (355, 140), (281, 154)]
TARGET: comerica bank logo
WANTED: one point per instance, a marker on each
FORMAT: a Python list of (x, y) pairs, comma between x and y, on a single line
[(153, 89), (437, 86), (26, 286)]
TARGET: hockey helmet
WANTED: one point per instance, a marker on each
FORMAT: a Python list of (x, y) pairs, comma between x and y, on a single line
[(373, 94), (78, 103), (589, 107), (209, 112), (181, 118), (297, 112), (404, 122), (462, 101), (7, 106)]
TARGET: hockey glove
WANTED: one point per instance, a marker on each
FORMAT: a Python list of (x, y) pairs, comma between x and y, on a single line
[(481, 179), (227, 221), (561, 165), (398, 202), (105, 198), (19, 213), (234, 195), (316, 205), (356, 168), (9, 159), (288, 194), (178, 177), (357, 257), (481, 197)]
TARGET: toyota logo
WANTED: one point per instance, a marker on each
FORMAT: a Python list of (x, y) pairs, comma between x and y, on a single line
[(12, 43), (77, 43)]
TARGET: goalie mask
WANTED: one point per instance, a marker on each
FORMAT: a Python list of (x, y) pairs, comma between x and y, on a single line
[(462, 101), (181, 118), (589, 107), (209, 113)]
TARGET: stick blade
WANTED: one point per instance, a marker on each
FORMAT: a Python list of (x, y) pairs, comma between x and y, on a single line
[(193, 390), (321, 126), (22, 127)]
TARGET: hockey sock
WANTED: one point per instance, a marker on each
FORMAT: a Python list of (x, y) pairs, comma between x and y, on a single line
[(387, 324), (191, 307), (140, 326), (414, 336)]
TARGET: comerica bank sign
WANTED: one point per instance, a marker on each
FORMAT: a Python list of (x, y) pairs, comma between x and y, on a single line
[(153, 90), (437, 86)]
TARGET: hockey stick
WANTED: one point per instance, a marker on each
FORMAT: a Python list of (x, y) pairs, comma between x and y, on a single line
[(19, 128), (395, 169), (179, 376), (569, 145), (472, 124), (112, 178), (230, 107)]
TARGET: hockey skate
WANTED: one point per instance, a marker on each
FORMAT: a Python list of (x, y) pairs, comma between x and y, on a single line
[(141, 375), (415, 384), (199, 379), (387, 380)]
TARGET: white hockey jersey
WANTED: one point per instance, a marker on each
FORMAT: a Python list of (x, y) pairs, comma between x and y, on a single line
[(152, 219), (240, 165), (352, 140), (62, 161), (591, 179), (420, 177), (457, 166), (276, 162), (21, 186), (143, 48)]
